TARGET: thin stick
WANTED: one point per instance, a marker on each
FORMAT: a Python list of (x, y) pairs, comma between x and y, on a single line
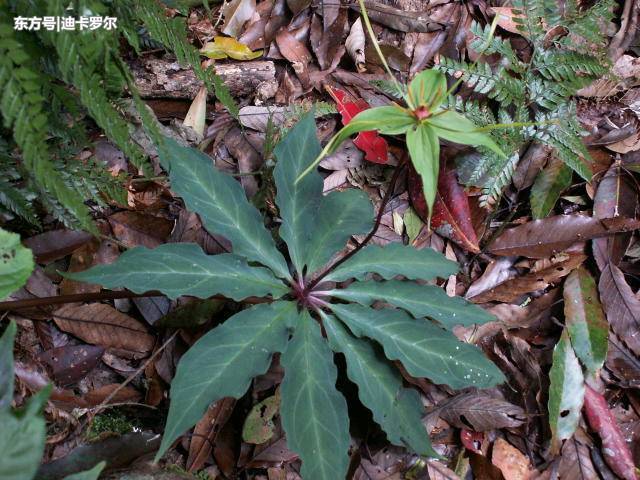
[(376, 225)]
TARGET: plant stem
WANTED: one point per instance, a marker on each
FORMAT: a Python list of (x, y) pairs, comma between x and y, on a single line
[(376, 225)]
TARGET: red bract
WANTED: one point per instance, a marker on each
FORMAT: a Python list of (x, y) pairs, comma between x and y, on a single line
[(451, 216), (615, 449), (372, 144)]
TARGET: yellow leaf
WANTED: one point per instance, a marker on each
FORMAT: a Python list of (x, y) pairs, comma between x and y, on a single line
[(223, 47)]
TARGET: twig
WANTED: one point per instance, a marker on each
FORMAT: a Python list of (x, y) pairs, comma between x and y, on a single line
[(370, 235)]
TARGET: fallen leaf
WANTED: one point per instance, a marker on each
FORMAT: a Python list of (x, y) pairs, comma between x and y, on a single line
[(614, 448), (622, 366), (56, 244), (585, 321), (548, 236), (566, 392), (451, 213), (258, 427), (621, 306), (236, 14), (81, 259), (513, 464), (101, 324), (71, 363), (506, 20), (223, 47), (355, 45), (257, 117), (403, 20), (135, 228), (206, 431), (197, 113), (373, 145), (511, 289), (438, 471), (575, 459), (480, 412)]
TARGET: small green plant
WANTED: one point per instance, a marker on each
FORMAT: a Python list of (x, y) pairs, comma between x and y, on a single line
[(563, 57), (424, 121), (301, 302), (23, 432)]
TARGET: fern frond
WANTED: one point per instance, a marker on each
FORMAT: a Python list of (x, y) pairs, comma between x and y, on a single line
[(563, 66), (487, 43), (22, 104), (389, 88), (498, 85), (17, 202), (492, 189), (586, 24)]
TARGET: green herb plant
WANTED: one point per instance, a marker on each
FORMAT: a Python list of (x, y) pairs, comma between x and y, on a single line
[(304, 310)]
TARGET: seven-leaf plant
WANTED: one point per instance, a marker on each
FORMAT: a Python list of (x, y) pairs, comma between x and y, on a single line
[(424, 122), (303, 301)]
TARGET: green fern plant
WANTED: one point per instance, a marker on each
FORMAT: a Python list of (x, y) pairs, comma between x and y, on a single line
[(47, 75), (538, 90), (300, 302)]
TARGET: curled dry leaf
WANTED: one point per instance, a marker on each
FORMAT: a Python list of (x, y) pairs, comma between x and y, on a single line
[(236, 14), (197, 113), (551, 235), (451, 213), (614, 448), (355, 45), (480, 412), (206, 431), (511, 289), (101, 324)]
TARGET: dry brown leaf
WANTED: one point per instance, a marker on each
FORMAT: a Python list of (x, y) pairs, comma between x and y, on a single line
[(197, 113), (513, 464), (506, 20), (236, 14), (101, 324), (480, 412), (438, 471), (81, 259), (575, 460), (55, 244), (512, 289), (206, 431), (549, 236), (134, 228)]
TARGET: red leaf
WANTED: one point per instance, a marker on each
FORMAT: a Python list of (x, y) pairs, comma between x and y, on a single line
[(615, 450), (372, 144), (451, 214)]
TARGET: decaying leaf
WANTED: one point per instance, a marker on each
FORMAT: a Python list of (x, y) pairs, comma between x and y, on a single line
[(236, 14), (566, 392), (258, 426), (101, 324), (197, 113), (206, 431), (135, 228), (575, 459), (71, 363), (615, 449), (480, 412)]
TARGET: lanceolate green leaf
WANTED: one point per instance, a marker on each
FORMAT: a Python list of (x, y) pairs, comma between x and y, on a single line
[(419, 300), (395, 259), (548, 186), (221, 203), (314, 415), (298, 202), (223, 362), (566, 392), (424, 349), (184, 269), (585, 320), (16, 263), (341, 215), (6, 366), (457, 128), (424, 150), (428, 88), (22, 445), (398, 410)]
